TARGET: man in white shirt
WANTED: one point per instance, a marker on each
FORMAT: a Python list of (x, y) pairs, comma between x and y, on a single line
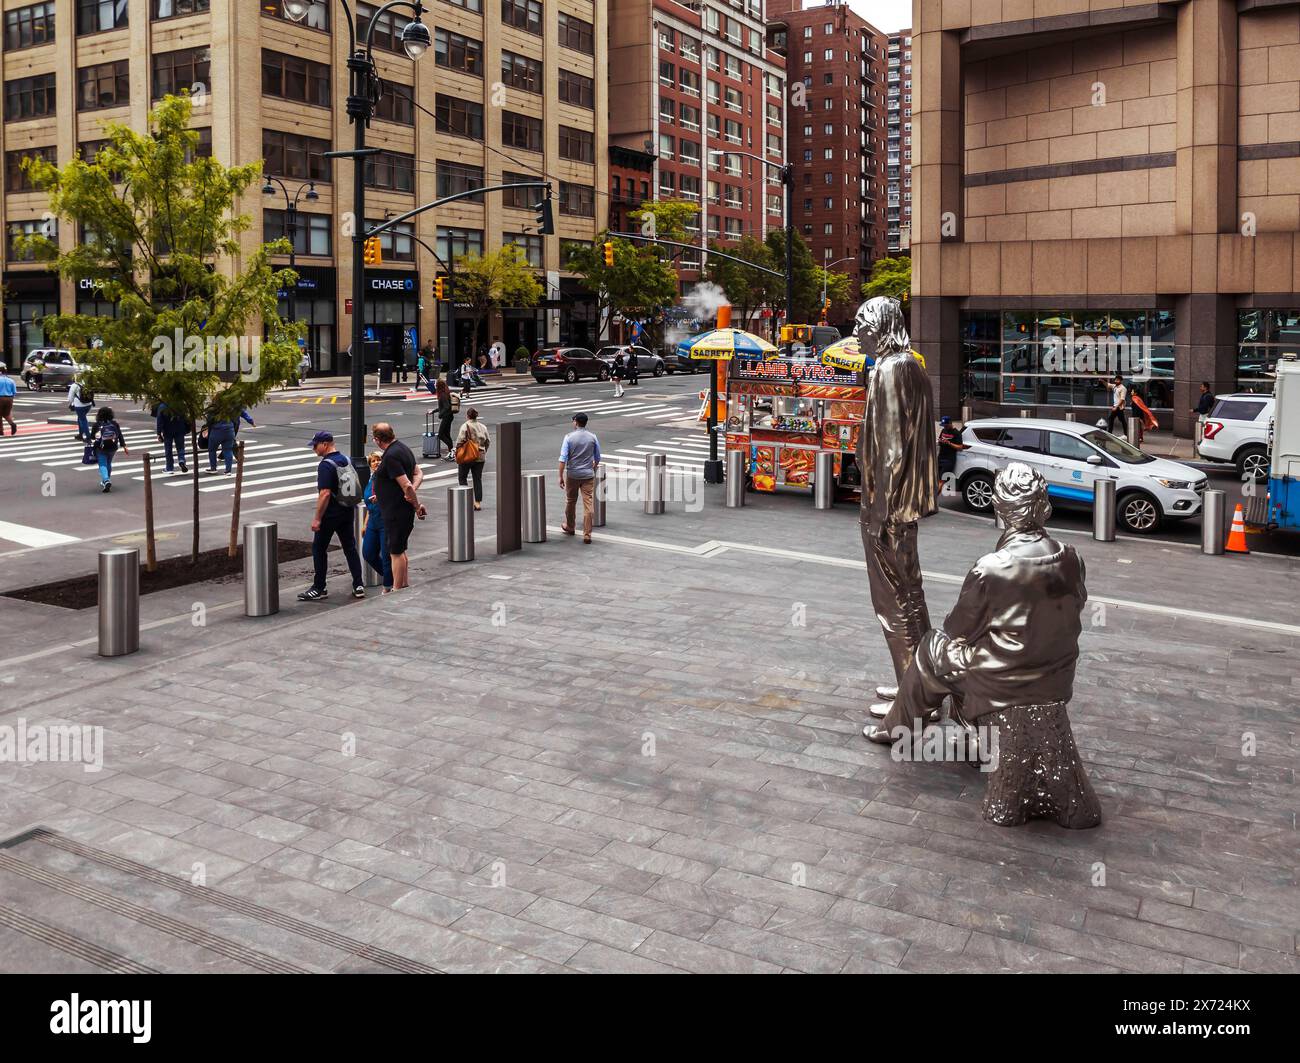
[(1118, 400), (496, 353)]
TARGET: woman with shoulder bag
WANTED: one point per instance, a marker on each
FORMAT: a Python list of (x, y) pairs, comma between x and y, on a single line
[(445, 415), (472, 444)]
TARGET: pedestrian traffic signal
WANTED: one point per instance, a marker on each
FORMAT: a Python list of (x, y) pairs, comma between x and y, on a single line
[(371, 253), (609, 252), (440, 288), (545, 220)]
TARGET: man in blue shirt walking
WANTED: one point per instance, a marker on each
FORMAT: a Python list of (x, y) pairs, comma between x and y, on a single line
[(579, 456), (7, 394)]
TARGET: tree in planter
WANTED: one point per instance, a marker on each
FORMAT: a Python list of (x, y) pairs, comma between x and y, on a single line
[(160, 237), (747, 289), (496, 279), (892, 277)]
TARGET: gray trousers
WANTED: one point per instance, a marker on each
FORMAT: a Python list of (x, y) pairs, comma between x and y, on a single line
[(894, 575)]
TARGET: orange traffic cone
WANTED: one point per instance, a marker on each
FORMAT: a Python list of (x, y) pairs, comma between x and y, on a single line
[(1236, 543)]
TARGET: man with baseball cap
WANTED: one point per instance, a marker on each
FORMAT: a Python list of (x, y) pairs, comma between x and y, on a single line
[(338, 492)]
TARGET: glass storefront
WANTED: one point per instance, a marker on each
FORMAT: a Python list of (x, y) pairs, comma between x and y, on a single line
[(30, 296), (313, 303), (1066, 357), (1262, 337)]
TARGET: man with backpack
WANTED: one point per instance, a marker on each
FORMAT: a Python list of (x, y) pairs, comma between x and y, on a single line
[(339, 493), (80, 401), (396, 481)]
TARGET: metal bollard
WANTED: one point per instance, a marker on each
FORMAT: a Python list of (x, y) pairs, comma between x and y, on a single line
[(1133, 430), (1214, 512), (460, 523), (965, 414), (261, 568), (823, 480), (119, 601), (533, 516), (1026, 413), (1069, 415), (735, 478), (369, 577), (1103, 511), (598, 493), (656, 474)]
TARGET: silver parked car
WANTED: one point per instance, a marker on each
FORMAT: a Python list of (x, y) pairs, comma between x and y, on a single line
[(55, 367)]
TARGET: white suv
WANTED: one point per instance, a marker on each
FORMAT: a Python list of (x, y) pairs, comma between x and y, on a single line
[(1236, 431), (1072, 456)]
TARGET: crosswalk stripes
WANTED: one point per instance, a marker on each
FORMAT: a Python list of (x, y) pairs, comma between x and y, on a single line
[(572, 404), (685, 455)]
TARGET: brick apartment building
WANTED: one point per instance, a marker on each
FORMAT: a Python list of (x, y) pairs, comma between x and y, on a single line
[(510, 87), (689, 78), (898, 162), (835, 63)]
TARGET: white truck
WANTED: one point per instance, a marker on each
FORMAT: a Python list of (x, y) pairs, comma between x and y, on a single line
[(1283, 501)]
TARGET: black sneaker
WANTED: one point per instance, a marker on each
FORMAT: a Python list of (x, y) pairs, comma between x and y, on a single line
[(313, 595), (358, 591), (106, 487)]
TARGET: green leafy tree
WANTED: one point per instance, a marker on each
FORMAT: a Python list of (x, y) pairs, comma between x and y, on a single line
[(496, 279), (160, 236), (892, 277), (837, 286), (807, 277), (748, 290)]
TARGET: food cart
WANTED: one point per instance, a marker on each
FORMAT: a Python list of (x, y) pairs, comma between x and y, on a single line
[(783, 411)]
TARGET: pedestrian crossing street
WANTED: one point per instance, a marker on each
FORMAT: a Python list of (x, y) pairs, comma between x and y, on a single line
[(274, 473), (563, 400)]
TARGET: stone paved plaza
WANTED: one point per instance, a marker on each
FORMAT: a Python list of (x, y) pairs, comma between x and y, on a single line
[(644, 755)]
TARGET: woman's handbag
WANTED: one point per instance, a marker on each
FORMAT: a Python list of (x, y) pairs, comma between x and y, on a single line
[(467, 451), (88, 455)]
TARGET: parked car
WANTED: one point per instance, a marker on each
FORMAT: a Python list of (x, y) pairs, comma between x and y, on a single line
[(60, 367), (647, 362), (569, 364), (1072, 457), (1236, 431)]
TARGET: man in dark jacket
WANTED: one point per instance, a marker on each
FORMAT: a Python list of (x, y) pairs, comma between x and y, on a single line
[(172, 428), (1205, 402)]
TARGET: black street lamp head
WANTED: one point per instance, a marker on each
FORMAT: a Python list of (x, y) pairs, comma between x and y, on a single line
[(312, 194), (415, 39), (268, 189)]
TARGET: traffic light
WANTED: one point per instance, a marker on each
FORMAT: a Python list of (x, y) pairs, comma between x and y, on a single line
[(609, 252), (545, 220), (440, 287), (372, 254)]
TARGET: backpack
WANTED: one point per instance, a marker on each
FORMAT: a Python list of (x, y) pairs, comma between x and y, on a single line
[(348, 492), (108, 437)]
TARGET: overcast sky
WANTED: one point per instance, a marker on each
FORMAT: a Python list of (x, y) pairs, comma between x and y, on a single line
[(887, 16)]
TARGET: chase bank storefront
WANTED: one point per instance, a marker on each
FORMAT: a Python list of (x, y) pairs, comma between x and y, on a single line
[(392, 313)]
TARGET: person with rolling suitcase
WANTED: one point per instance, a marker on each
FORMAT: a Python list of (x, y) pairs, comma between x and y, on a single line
[(429, 447)]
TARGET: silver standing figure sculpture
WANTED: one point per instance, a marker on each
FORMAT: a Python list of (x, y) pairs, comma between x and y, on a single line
[(1006, 655), (899, 462)]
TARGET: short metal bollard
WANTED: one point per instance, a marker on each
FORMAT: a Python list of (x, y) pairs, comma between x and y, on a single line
[(824, 480), (261, 568), (1133, 429), (656, 476), (1069, 415), (533, 515), (369, 577), (965, 414), (1214, 512), (1103, 511), (460, 523), (735, 479), (1026, 413), (119, 601), (599, 491)]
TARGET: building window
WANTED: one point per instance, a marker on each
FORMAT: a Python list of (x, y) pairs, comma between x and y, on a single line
[(104, 85), (26, 27), (520, 198), (521, 131), (388, 28), (397, 243), (460, 118), (468, 5), (455, 243), (455, 52), (667, 146), (176, 72), (524, 15), (395, 104), (317, 18), (30, 97), (667, 111), (292, 155), (177, 8), (667, 74), (579, 144), (531, 246), (391, 170), (689, 150), (666, 188), (1262, 337), (35, 227), (96, 16), (577, 89), (690, 117), (689, 82), (576, 33), (520, 72), (16, 178), (312, 232), (578, 200), (454, 177), (292, 77)]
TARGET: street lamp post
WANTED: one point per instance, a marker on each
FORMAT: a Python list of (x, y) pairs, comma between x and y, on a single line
[(787, 179), (364, 90), (826, 268), (291, 227)]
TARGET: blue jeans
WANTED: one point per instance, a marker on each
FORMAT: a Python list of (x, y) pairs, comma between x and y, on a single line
[(174, 441), (320, 545), (83, 421), (374, 549), (105, 466), (225, 439)]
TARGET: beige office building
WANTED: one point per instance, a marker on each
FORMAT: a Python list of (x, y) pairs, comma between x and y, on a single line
[(511, 87), (1104, 177)]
